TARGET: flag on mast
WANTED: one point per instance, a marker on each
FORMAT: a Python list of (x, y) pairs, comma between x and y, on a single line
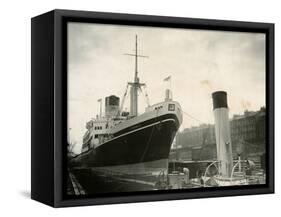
[(168, 78)]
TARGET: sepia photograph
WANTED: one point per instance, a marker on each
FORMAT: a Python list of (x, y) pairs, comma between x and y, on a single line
[(158, 108)]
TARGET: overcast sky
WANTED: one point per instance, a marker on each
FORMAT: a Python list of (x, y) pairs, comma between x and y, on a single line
[(199, 62)]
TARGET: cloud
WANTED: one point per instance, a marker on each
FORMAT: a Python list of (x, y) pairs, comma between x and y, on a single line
[(206, 83)]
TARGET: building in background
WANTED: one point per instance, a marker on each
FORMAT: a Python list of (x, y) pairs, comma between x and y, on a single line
[(247, 135)]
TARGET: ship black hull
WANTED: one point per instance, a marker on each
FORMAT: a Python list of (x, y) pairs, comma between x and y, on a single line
[(144, 142)]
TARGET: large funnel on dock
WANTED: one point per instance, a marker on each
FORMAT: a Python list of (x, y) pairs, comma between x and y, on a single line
[(222, 130)]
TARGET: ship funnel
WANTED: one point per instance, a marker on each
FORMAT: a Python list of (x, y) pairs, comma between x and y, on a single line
[(222, 131), (111, 106)]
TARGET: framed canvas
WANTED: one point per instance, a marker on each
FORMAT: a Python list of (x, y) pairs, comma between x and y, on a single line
[(131, 108)]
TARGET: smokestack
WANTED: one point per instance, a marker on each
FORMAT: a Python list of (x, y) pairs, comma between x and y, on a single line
[(111, 106), (222, 130)]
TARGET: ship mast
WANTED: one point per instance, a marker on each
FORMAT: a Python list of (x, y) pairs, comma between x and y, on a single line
[(136, 84)]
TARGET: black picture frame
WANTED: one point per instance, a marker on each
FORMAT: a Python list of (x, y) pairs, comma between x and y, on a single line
[(49, 84)]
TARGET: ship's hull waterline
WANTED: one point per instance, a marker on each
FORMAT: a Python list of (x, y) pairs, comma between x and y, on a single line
[(140, 149), (145, 176)]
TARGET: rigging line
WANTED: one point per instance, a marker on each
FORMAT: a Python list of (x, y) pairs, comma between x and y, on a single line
[(123, 101), (126, 97), (192, 117), (145, 96)]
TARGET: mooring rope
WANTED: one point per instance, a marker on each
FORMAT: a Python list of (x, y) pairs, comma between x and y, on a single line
[(192, 117)]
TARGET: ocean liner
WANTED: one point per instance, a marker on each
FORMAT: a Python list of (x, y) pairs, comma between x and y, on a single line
[(129, 143)]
